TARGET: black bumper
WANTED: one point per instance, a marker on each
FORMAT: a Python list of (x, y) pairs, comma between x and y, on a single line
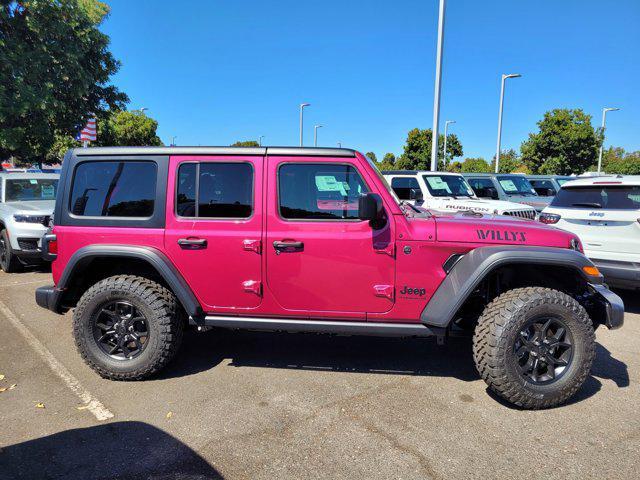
[(619, 274), (613, 306), (49, 297)]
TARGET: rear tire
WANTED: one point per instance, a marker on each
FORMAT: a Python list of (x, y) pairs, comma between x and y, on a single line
[(8, 260), (127, 327), (534, 347)]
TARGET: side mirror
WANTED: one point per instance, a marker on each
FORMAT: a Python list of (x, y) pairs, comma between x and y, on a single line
[(492, 193), (370, 208), (416, 194)]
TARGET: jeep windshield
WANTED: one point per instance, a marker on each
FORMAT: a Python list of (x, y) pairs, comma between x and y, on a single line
[(447, 186), (610, 197), (30, 189), (516, 185)]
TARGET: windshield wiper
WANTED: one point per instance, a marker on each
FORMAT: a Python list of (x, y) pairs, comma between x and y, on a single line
[(587, 204)]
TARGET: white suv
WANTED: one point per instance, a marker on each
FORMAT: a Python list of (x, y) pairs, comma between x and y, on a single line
[(605, 213), (449, 192)]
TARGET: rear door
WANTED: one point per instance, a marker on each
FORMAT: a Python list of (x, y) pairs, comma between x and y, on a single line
[(214, 228), (322, 260), (604, 216)]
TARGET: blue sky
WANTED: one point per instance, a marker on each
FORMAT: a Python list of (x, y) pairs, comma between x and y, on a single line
[(213, 72)]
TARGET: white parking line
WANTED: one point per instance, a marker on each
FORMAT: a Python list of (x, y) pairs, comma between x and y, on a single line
[(90, 402)]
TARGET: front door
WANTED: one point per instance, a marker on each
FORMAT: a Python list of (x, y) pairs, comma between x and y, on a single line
[(321, 259), (214, 228)]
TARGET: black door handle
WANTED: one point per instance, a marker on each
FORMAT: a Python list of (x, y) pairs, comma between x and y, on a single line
[(192, 243), (288, 246)]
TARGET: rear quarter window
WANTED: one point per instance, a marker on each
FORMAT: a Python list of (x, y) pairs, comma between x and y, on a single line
[(608, 197), (114, 189)]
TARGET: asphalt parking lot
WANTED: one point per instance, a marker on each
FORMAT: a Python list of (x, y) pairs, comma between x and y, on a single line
[(243, 405)]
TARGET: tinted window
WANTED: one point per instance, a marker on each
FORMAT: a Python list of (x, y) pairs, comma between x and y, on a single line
[(30, 189), (542, 186), (322, 192), (403, 186), (114, 189), (598, 196), (447, 186), (224, 190)]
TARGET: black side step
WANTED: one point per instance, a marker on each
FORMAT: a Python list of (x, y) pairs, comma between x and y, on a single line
[(319, 326)]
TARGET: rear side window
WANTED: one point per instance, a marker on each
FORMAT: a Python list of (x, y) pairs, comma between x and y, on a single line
[(480, 185), (215, 190), (543, 188), (598, 196), (114, 189), (403, 186), (319, 191)]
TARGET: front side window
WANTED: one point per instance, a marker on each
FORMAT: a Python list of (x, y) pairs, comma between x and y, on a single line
[(481, 186), (597, 196), (543, 188), (405, 187), (516, 185), (215, 190), (447, 186), (319, 191), (114, 189), (30, 189)]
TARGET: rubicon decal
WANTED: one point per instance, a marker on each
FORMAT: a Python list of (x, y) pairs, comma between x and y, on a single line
[(501, 235)]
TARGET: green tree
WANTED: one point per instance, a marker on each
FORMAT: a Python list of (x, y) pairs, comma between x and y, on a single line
[(417, 150), (455, 167), (372, 157), (475, 165), (616, 160), (127, 129), (566, 143), (388, 162), (246, 143), (509, 161), (55, 68), (61, 145)]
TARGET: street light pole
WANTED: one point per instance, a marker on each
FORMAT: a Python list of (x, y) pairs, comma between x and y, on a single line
[(302, 105), (437, 89), (604, 124), (260, 140), (173, 140), (504, 78), (315, 134), (446, 125), (339, 144)]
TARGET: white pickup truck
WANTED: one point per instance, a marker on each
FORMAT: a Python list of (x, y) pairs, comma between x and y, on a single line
[(449, 192)]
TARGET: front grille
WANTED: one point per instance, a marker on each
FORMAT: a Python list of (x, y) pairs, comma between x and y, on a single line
[(28, 243), (529, 214)]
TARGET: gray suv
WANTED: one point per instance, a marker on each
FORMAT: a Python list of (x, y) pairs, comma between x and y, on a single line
[(26, 205), (512, 187)]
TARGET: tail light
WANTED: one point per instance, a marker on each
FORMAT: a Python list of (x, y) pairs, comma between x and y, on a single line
[(53, 246), (549, 218)]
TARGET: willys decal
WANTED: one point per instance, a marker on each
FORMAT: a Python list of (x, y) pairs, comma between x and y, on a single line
[(501, 235)]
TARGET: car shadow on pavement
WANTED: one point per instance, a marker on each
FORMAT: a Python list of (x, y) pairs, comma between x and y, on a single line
[(132, 450), (604, 367), (297, 351)]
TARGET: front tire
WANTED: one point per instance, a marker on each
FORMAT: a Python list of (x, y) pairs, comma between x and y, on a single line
[(534, 347), (8, 260), (127, 327)]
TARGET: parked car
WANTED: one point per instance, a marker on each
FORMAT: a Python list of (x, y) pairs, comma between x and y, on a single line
[(26, 205), (512, 187), (605, 213), (149, 239), (448, 192), (548, 185)]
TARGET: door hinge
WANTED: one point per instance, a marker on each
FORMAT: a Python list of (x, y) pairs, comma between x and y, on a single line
[(252, 245), (386, 291), (252, 286), (388, 248)]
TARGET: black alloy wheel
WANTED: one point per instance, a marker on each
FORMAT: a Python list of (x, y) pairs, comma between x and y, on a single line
[(544, 350), (121, 330)]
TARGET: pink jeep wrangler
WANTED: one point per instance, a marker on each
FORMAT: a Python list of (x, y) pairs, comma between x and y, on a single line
[(149, 240)]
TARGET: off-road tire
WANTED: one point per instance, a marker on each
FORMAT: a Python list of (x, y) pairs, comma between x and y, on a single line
[(10, 263), (162, 314), (496, 332)]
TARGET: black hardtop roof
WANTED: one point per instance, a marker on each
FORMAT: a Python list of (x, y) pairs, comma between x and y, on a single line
[(261, 151)]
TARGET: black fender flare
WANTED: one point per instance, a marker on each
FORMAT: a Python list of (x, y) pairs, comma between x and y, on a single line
[(152, 256), (470, 269)]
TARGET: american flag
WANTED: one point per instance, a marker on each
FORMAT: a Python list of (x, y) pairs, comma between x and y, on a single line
[(88, 133)]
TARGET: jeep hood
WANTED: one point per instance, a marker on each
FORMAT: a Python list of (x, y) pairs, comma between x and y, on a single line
[(499, 230), (38, 207), (477, 205)]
